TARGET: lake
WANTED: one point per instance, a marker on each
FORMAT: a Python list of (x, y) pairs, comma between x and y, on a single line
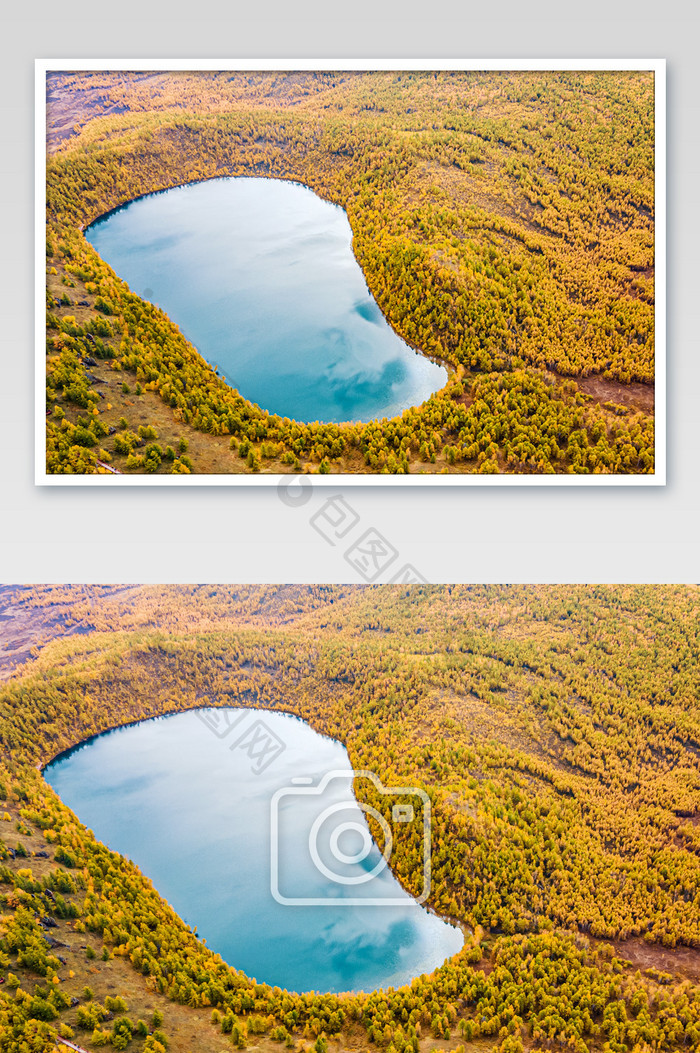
[(260, 276), (246, 823)]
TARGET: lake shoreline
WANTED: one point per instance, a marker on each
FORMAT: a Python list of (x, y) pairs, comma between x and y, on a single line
[(260, 276), (143, 755)]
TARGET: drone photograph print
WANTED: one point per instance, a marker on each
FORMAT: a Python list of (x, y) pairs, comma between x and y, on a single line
[(349, 819), (363, 272)]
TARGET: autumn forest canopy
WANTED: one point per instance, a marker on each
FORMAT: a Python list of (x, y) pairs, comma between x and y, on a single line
[(504, 223), (555, 730)]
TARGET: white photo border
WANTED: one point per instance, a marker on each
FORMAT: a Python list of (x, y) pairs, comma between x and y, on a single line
[(655, 66)]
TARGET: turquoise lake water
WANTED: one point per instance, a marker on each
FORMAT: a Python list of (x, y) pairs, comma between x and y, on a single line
[(260, 276), (236, 815)]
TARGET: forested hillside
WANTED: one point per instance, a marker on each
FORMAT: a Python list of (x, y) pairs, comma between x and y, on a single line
[(504, 223), (555, 729)]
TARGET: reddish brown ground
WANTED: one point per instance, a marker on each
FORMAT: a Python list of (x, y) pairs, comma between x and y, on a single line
[(679, 961), (634, 396), (23, 628)]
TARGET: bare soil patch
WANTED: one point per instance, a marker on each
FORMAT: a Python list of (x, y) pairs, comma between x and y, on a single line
[(633, 396), (69, 108), (680, 961), (24, 629)]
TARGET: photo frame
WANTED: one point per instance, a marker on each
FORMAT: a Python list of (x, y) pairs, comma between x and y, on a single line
[(378, 452)]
